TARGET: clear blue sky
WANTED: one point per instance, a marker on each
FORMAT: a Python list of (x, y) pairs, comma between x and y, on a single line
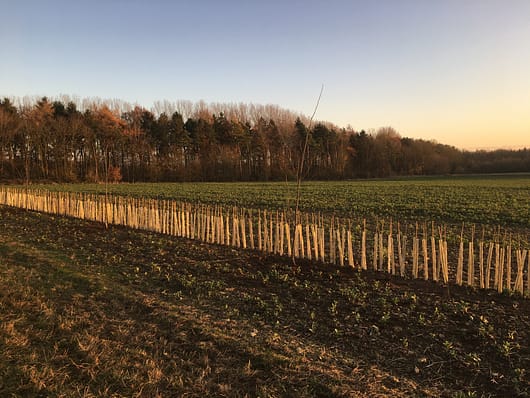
[(457, 71)]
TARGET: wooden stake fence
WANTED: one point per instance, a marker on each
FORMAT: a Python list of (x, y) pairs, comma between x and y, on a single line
[(312, 236)]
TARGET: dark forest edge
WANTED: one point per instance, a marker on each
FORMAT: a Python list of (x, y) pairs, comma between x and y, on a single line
[(68, 140)]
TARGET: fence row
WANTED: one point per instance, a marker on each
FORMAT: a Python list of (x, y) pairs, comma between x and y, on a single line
[(499, 264)]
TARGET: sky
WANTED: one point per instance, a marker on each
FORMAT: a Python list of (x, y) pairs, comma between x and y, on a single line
[(453, 71)]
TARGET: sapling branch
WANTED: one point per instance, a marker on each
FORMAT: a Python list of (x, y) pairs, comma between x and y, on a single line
[(300, 168)]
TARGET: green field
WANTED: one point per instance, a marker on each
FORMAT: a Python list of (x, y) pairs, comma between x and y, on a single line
[(492, 200)]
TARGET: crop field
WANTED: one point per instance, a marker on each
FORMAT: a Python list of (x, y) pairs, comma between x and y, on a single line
[(487, 200), (88, 311), (94, 310)]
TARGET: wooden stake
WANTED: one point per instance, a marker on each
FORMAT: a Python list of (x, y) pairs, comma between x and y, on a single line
[(351, 261), (415, 256), (488, 265), (260, 244), (500, 284), (363, 247), (296, 242), (376, 251), (314, 232), (243, 232), (519, 281), (400, 254), (425, 250), (434, 259), (509, 266), (497, 266), (288, 239), (460, 266), (308, 240)]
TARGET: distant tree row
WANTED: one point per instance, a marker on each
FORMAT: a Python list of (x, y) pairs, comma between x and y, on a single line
[(67, 140)]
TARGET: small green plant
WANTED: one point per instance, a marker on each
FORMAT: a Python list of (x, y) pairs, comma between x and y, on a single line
[(473, 358), (333, 308), (385, 317), (449, 347), (506, 348)]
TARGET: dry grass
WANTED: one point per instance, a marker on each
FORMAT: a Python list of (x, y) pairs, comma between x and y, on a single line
[(89, 312)]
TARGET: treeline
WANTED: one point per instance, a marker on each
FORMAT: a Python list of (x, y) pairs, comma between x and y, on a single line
[(68, 140)]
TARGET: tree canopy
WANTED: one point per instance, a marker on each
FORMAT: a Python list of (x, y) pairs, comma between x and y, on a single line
[(94, 140)]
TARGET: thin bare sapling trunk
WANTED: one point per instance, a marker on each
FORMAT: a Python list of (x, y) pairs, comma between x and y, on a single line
[(301, 163)]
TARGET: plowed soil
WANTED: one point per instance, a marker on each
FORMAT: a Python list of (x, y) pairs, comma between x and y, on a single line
[(89, 311)]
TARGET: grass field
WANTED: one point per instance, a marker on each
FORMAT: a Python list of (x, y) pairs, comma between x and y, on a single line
[(88, 311), (491, 200)]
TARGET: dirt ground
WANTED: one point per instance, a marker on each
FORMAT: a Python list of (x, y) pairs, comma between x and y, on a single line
[(88, 311)]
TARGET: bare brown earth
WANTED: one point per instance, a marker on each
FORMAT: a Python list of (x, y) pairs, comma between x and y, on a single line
[(88, 311)]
